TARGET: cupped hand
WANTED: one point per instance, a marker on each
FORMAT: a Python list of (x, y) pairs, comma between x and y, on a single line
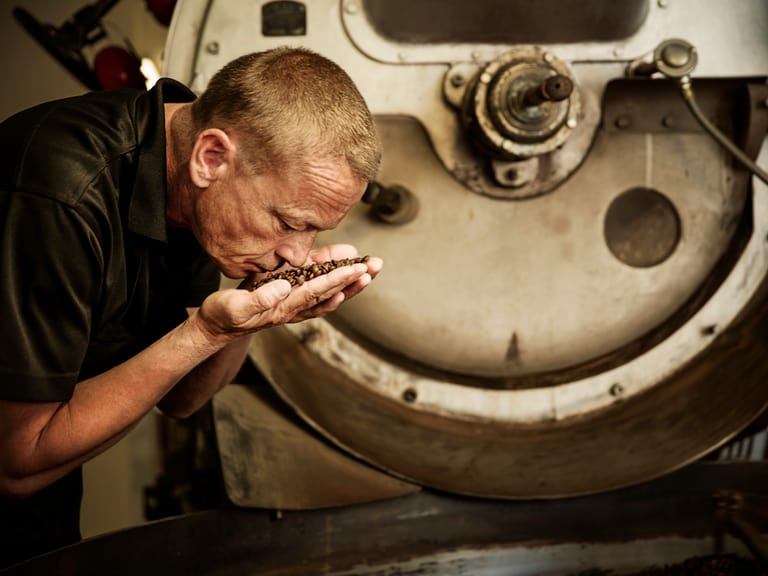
[(341, 251), (235, 312)]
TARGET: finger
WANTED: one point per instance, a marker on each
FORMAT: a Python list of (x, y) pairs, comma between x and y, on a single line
[(323, 308), (357, 286), (248, 282), (375, 265), (327, 306), (271, 294), (323, 287), (332, 252)]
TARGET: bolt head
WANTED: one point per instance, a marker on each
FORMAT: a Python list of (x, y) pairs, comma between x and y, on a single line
[(676, 55)]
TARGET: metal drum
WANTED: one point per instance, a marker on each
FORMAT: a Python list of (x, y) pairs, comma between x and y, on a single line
[(574, 292)]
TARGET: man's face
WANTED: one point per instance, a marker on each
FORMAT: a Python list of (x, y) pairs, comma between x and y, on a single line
[(255, 223)]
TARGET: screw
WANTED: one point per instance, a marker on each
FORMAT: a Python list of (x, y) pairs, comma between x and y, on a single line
[(212, 47), (457, 80), (350, 8), (616, 390), (622, 122), (668, 121), (409, 395)]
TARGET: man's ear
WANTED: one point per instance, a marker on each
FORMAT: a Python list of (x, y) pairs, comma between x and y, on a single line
[(212, 155)]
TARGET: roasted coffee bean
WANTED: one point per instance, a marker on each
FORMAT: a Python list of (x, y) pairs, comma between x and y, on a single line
[(297, 276)]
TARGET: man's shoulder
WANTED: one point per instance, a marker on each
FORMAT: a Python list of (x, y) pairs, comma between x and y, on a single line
[(57, 148)]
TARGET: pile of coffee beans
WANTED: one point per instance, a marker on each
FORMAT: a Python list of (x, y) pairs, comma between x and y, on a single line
[(297, 276)]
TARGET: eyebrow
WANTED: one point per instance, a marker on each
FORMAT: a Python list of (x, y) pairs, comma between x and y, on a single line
[(306, 218), (298, 221)]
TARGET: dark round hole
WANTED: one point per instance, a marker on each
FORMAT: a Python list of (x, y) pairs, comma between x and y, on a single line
[(642, 227)]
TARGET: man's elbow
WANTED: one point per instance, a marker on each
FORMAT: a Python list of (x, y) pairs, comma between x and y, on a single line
[(19, 479), (176, 410), (16, 487)]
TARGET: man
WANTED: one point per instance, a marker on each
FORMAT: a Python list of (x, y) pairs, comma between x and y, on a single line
[(114, 206)]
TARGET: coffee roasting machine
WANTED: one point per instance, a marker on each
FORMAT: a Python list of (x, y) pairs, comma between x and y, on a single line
[(564, 365)]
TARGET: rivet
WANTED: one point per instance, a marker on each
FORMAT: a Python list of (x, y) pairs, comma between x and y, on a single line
[(616, 390), (571, 123), (709, 330), (350, 8), (212, 47), (409, 395)]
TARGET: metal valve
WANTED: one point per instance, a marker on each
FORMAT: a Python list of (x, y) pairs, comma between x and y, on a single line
[(391, 204)]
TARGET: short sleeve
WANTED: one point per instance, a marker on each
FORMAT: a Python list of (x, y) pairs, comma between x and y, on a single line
[(50, 270)]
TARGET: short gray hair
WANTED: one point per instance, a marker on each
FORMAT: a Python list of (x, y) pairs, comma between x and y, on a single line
[(291, 106)]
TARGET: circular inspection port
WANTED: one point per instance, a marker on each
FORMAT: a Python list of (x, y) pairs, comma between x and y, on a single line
[(642, 227)]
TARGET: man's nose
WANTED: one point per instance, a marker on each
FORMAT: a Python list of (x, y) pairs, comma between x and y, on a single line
[(295, 250)]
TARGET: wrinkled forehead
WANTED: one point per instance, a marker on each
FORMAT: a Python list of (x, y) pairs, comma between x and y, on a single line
[(323, 194)]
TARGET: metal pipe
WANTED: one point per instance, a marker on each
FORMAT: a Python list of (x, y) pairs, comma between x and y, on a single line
[(687, 92)]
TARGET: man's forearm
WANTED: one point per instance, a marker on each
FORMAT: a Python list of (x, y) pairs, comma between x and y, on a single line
[(41, 442), (199, 386)]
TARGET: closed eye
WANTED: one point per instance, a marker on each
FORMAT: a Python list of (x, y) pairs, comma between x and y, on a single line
[(285, 226), (282, 225)]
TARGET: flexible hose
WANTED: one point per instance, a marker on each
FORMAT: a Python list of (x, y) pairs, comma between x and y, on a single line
[(687, 92)]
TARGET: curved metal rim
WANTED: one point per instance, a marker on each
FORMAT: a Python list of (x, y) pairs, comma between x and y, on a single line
[(696, 410)]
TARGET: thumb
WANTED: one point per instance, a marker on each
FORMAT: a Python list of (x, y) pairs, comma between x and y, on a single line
[(272, 293)]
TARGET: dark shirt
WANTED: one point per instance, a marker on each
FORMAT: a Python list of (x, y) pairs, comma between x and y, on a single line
[(89, 272)]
